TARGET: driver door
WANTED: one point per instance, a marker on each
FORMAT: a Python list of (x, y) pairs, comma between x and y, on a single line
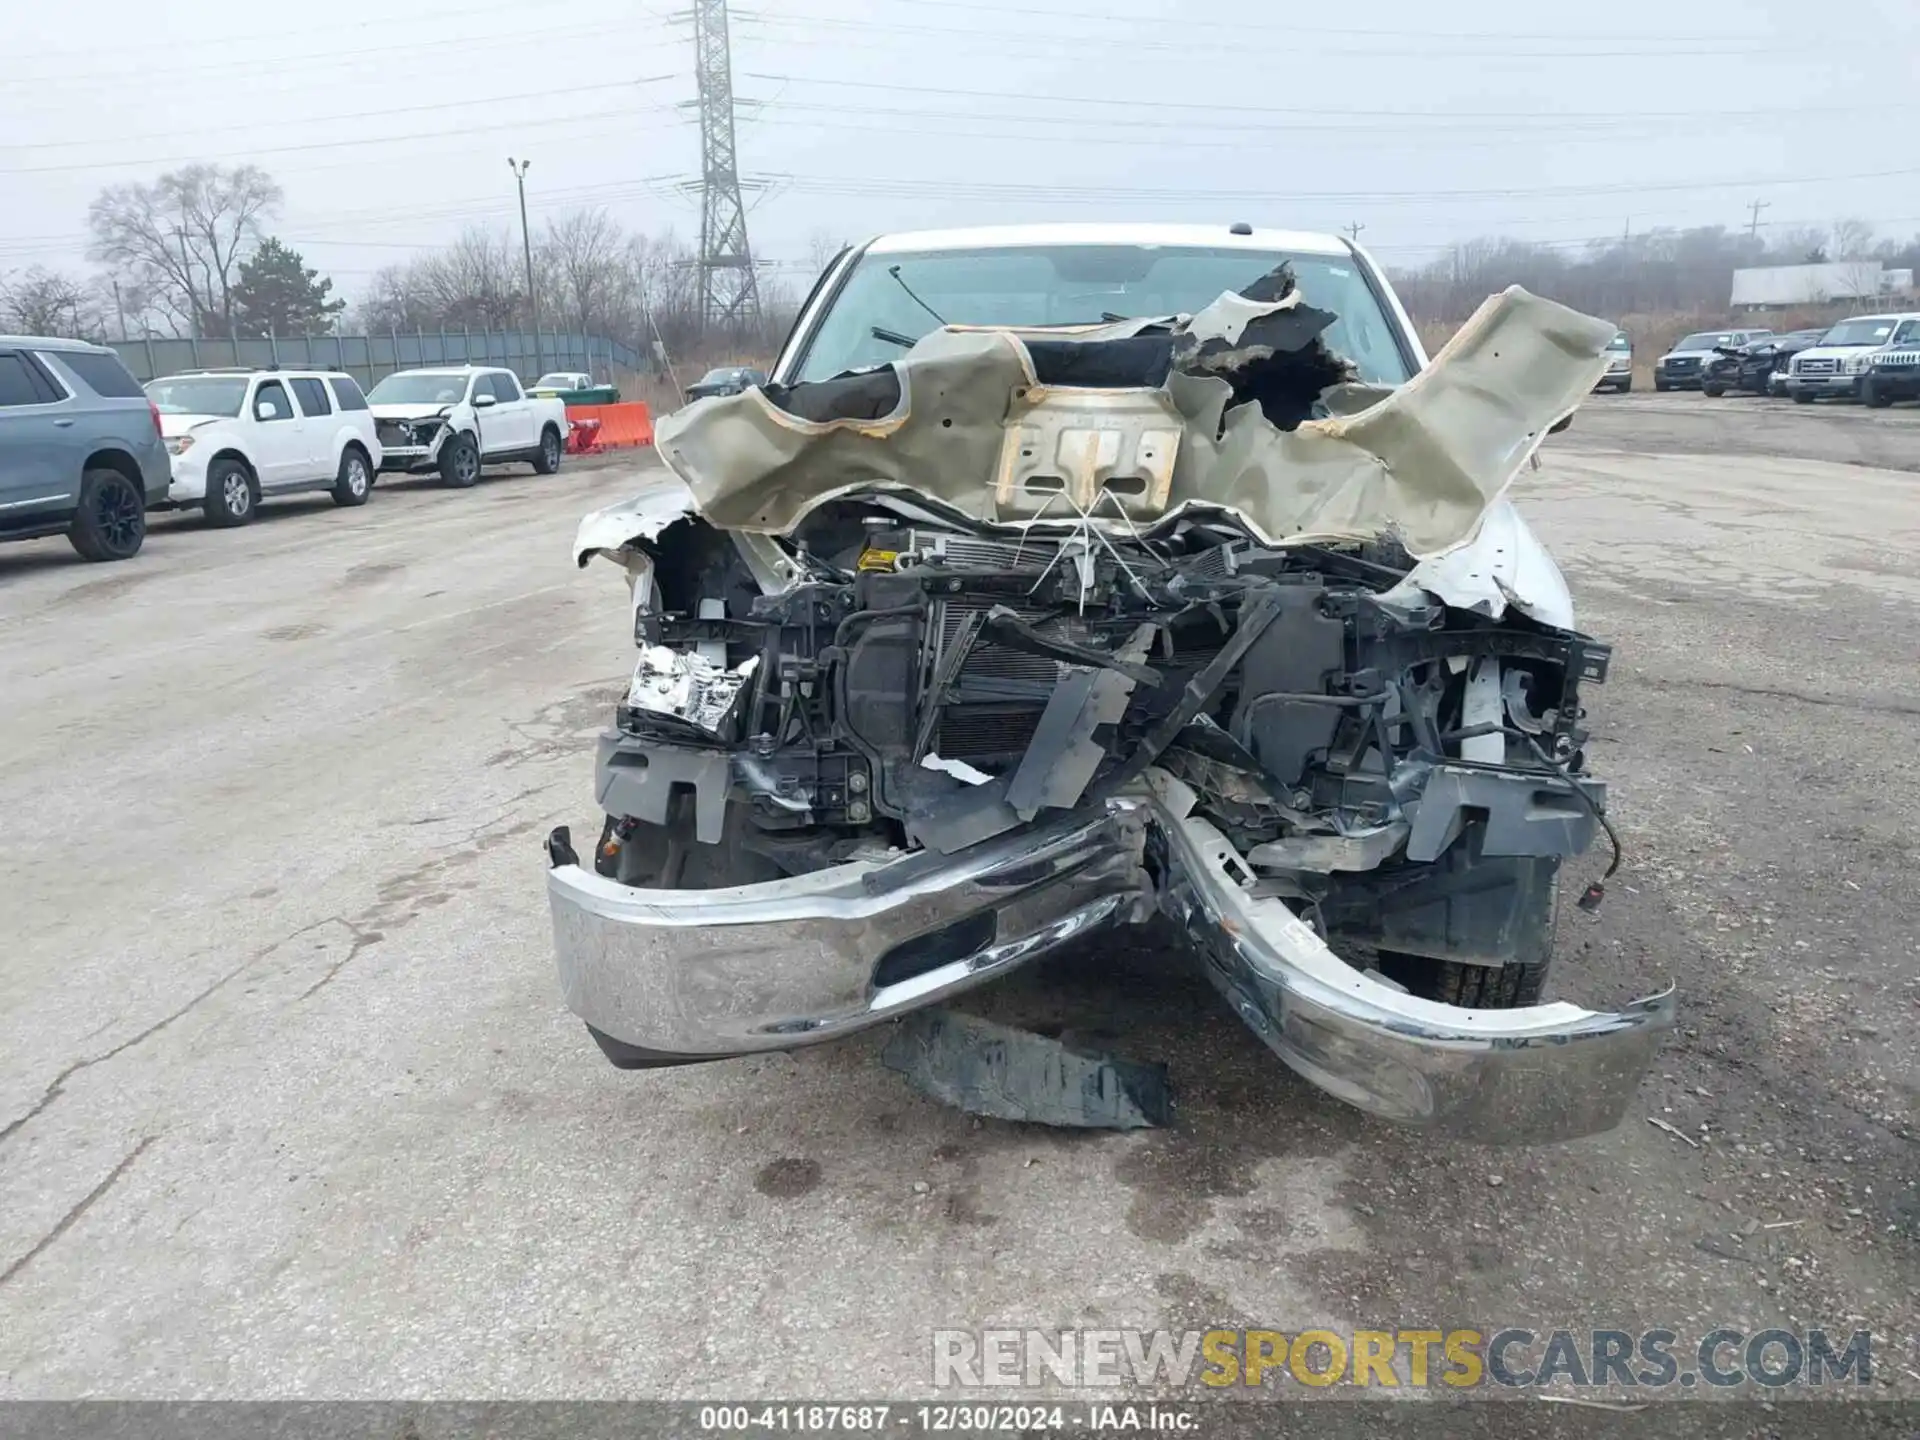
[(515, 411), (279, 437)]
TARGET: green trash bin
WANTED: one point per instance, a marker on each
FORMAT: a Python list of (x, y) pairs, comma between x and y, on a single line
[(594, 395)]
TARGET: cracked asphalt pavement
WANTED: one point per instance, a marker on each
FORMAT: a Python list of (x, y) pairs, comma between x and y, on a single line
[(289, 1105)]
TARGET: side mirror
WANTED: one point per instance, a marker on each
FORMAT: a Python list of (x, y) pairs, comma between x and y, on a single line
[(482, 401), (264, 411), (1565, 422)]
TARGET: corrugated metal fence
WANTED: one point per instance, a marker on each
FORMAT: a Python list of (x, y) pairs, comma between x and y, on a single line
[(370, 358)]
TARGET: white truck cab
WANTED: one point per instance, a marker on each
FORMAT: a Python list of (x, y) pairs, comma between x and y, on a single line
[(236, 436), (457, 419)]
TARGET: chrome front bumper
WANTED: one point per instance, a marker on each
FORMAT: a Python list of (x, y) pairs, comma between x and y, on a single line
[(667, 976), (681, 975)]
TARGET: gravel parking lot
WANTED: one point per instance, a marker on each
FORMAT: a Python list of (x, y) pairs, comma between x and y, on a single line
[(289, 1103)]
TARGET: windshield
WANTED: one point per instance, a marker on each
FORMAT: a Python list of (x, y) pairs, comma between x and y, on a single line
[(555, 381), (1078, 285), (421, 387), (1860, 332), (719, 377), (199, 395), (1620, 342), (1707, 339)]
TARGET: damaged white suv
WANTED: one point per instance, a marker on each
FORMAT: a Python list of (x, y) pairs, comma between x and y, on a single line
[(1064, 575)]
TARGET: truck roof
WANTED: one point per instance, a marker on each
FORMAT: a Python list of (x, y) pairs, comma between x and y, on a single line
[(52, 342)]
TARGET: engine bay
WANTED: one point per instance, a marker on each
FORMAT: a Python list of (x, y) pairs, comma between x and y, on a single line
[(921, 683)]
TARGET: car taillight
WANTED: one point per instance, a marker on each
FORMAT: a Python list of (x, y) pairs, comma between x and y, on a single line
[(154, 410)]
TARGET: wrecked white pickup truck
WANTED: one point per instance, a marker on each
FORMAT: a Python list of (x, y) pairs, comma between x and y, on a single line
[(1064, 576)]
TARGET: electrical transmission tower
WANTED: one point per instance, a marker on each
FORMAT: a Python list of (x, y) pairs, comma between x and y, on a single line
[(729, 295)]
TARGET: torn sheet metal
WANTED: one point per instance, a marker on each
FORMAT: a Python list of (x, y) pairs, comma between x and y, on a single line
[(1064, 754), (1323, 854), (1008, 1074), (608, 532), (1503, 565), (1424, 462)]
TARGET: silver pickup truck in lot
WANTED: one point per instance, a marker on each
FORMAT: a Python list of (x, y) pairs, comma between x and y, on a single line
[(1063, 576)]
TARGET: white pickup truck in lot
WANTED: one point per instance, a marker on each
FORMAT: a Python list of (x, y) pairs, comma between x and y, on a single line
[(456, 420)]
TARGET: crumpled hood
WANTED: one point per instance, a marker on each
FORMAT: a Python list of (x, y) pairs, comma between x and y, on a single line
[(1133, 421), (431, 411), (172, 425)]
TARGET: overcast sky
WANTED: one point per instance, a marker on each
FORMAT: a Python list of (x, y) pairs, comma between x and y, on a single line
[(389, 126)]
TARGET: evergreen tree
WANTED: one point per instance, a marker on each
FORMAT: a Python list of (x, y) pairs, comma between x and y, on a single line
[(276, 293)]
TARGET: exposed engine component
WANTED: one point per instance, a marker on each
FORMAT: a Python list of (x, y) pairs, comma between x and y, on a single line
[(934, 685)]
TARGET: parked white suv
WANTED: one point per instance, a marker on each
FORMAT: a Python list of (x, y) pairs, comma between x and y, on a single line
[(238, 435), (456, 420), (1835, 367)]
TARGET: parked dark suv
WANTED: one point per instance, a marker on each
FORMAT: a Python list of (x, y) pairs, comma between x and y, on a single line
[(80, 447), (728, 380)]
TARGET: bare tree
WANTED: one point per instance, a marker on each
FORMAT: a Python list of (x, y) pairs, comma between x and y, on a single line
[(1793, 247), (181, 238), (1852, 239), (1661, 271), (822, 247), (475, 281), (44, 302), (1856, 280), (587, 277), (593, 277), (394, 301)]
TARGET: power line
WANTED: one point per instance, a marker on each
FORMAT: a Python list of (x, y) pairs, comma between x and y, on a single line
[(1208, 107), (1302, 43), (847, 185), (1292, 29), (1401, 135), (256, 150), (275, 69), (545, 95), (1031, 134), (382, 27)]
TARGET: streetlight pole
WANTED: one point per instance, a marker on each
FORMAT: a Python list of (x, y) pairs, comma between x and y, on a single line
[(519, 168), (186, 278)]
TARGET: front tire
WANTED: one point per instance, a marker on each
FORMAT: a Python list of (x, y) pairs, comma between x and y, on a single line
[(1714, 392), (548, 460), (232, 497), (1473, 987), (1801, 397), (1661, 385), (355, 481), (460, 463), (110, 521), (1871, 396)]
